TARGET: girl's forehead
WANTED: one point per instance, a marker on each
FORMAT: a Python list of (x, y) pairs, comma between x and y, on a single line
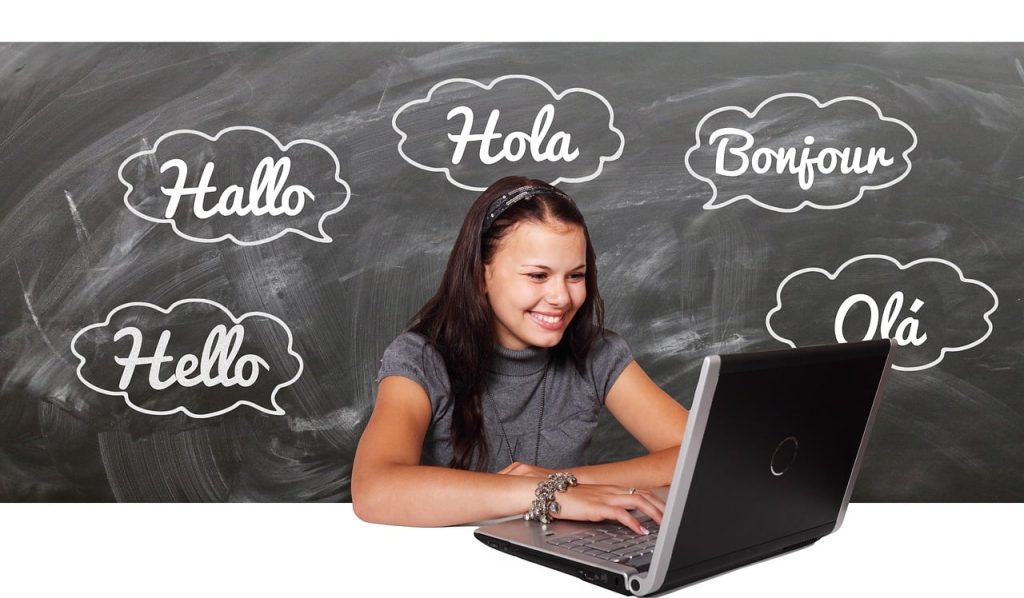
[(544, 241)]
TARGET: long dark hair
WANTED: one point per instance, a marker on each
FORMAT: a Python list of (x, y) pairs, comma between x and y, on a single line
[(457, 319)]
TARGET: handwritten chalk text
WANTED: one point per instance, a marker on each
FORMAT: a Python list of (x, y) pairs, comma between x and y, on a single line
[(787, 159), (219, 363), (267, 193), (516, 143), (906, 332)]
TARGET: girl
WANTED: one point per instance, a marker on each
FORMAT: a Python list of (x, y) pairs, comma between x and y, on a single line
[(499, 381)]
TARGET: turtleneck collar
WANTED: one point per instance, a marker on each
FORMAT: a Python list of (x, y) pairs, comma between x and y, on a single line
[(519, 362)]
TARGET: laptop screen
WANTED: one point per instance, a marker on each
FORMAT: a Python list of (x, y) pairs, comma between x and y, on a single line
[(780, 443)]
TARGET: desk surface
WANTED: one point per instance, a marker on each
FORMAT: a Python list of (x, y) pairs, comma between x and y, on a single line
[(301, 550)]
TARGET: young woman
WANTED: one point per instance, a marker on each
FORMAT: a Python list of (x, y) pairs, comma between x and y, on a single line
[(499, 381)]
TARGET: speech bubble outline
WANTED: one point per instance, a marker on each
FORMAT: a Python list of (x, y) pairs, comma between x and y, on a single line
[(324, 238), (181, 408), (833, 276), (488, 87), (711, 205)]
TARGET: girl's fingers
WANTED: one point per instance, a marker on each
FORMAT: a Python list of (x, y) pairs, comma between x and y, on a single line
[(623, 517), (614, 503), (640, 503), (653, 498), (637, 498)]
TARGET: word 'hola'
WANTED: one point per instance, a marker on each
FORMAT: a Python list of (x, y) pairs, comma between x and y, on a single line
[(516, 143)]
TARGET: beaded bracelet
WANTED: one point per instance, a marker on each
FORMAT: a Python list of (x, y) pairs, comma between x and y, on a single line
[(545, 504)]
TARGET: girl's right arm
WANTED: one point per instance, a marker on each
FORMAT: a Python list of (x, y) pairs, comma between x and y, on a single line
[(390, 486)]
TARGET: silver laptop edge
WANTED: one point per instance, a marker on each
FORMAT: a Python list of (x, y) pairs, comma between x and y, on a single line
[(642, 584), (867, 432)]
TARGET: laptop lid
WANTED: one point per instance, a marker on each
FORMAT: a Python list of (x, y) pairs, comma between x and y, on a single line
[(771, 452)]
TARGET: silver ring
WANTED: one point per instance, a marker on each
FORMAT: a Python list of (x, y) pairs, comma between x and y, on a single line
[(632, 490)]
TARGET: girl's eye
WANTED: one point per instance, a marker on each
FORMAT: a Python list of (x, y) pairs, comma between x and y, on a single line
[(542, 276)]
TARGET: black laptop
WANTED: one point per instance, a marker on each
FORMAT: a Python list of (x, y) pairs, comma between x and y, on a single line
[(772, 448)]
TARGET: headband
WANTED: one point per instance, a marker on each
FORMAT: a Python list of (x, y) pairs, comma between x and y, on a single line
[(509, 199)]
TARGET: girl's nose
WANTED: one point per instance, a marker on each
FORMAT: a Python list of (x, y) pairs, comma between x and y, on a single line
[(558, 293)]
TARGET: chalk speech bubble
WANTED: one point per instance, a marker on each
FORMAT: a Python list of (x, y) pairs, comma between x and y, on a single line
[(241, 185), (794, 151), (475, 132), (927, 305), (153, 358)]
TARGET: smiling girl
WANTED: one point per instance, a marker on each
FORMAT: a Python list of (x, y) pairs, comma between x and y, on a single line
[(499, 381)]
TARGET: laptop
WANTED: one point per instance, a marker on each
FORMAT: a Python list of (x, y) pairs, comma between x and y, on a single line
[(769, 458)]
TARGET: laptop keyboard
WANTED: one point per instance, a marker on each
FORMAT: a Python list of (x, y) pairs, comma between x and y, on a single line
[(614, 542)]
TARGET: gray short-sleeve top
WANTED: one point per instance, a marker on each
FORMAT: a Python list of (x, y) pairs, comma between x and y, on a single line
[(512, 404)]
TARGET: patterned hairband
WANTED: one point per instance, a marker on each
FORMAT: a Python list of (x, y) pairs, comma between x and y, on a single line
[(509, 199)]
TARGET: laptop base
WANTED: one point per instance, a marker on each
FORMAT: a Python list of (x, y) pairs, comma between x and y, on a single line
[(601, 577), (618, 582)]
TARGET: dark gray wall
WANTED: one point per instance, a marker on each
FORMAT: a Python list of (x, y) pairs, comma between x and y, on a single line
[(680, 279)]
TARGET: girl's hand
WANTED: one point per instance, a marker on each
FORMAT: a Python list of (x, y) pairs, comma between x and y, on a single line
[(591, 502), (530, 471)]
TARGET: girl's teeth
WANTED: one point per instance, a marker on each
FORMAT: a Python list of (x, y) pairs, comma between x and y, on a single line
[(548, 319)]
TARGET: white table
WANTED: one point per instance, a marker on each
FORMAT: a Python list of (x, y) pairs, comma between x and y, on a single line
[(900, 550)]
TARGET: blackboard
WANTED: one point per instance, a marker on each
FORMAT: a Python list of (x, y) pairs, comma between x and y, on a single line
[(740, 197)]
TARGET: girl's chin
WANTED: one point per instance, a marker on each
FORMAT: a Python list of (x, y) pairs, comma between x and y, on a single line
[(547, 340), (538, 338)]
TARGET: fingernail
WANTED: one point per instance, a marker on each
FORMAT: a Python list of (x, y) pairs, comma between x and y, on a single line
[(647, 532)]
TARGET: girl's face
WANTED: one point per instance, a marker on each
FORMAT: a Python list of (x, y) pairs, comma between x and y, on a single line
[(535, 283)]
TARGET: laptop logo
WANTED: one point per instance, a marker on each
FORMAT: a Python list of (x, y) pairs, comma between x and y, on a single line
[(784, 455)]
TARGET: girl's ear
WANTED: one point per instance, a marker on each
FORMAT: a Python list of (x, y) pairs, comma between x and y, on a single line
[(483, 279)]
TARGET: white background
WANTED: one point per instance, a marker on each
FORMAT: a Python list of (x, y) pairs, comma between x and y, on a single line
[(511, 21), (882, 550), (300, 550)]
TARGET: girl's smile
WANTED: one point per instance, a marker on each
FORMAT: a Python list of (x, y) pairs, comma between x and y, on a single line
[(550, 322), (535, 283)]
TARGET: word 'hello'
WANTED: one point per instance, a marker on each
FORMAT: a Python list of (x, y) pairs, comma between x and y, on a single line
[(267, 193), (514, 146), (906, 332), (216, 365), (826, 161)]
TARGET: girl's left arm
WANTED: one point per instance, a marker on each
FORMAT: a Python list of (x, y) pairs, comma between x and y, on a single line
[(655, 419)]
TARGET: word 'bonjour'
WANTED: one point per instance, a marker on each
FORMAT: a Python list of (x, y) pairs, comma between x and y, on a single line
[(267, 193), (906, 332), (219, 363), (516, 143), (787, 159)]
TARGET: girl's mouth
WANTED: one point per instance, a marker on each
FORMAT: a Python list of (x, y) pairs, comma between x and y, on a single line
[(548, 322)]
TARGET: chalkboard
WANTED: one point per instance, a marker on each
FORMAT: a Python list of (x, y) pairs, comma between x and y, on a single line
[(207, 247)]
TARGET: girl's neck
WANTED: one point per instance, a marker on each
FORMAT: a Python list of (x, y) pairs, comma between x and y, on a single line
[(519, 362)]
